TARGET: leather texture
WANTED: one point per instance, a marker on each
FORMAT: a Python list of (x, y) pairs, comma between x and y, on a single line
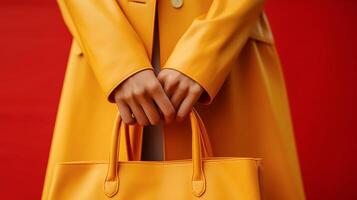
[(200, 177), (224, 45)]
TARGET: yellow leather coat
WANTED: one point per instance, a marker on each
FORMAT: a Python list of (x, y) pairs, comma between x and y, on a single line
[(224, 45)]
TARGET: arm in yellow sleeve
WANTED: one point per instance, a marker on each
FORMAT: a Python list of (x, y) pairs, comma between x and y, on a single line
[(108, 41), (209, 47)]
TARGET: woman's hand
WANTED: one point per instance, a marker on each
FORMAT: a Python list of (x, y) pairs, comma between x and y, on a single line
[(182, 91), (138, 95)]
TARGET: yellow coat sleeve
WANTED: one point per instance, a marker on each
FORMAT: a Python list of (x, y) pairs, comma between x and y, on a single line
[(103, 33), (209, 47)]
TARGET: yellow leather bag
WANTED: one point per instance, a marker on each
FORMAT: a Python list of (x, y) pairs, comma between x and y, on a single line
[(202, 177)]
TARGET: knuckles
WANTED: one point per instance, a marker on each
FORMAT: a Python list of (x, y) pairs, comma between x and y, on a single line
[(153, 87), (139, 92), (195, 89), (127, 97)]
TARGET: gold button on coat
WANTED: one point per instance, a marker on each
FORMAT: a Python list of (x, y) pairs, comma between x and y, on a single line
[(177, 3)]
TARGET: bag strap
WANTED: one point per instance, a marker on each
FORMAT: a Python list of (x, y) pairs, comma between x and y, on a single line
[(111, 184), (205, 141), (131, 150)]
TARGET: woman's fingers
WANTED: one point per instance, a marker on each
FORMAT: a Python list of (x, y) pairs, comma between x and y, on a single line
[(162, 101), (138, 94), (149, 108), (137, 110), (168, 82), (182, 90), (179, 95), (188, 102), (171, 91), (125, 112), (173, 87)]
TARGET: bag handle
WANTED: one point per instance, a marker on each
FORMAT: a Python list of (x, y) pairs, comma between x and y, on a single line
[(111, 184)]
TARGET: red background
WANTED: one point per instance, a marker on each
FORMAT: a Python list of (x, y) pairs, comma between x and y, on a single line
[(315, 39)]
